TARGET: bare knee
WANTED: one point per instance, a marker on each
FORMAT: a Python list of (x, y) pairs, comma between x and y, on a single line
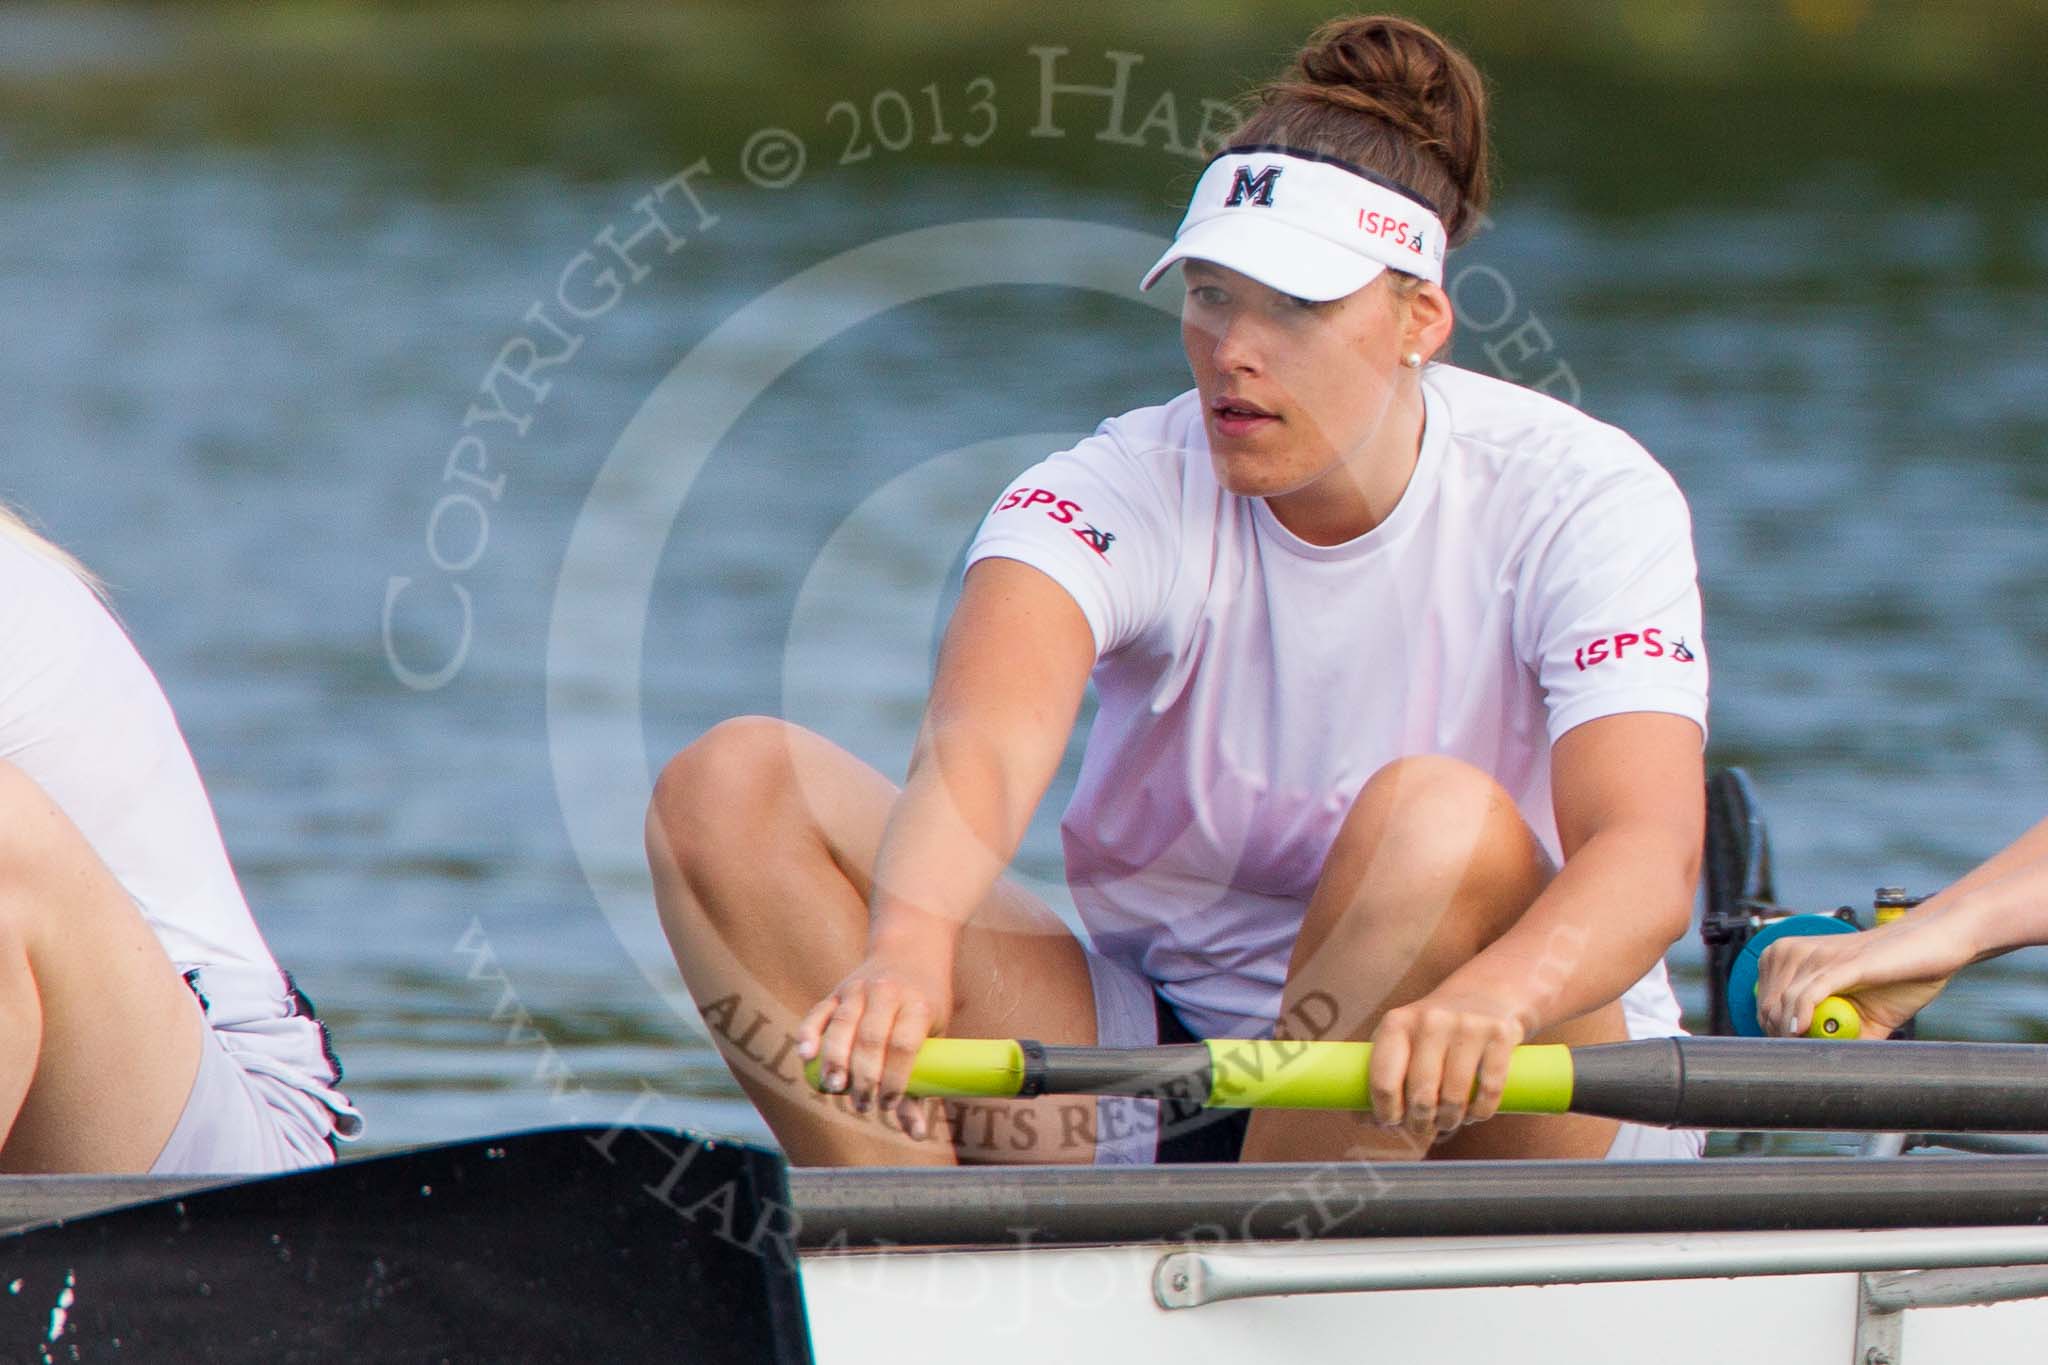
[(746, 821), (722, 788), (1435, 828)]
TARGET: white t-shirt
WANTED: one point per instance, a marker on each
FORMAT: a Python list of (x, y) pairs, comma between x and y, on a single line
[(1536, 574), (82, 715)]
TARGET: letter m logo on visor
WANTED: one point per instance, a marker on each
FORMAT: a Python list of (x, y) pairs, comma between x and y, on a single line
[(1257, 188)]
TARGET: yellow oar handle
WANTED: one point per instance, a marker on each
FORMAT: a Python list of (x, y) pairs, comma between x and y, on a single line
[(988, 1068), (1275, 1074), (1241, 1073), (1836, 1017)]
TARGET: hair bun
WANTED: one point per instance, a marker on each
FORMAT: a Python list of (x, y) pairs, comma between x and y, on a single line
[(1394, 74), (1397, 70)]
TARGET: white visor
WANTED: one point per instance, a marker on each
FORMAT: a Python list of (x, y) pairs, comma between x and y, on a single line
[(1313, 229)]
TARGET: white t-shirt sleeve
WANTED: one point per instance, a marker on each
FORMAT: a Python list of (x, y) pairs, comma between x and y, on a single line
[(1102, 522), (1608, 607)]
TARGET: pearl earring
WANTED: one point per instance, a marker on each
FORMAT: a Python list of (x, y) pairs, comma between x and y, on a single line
[(1413, 360)]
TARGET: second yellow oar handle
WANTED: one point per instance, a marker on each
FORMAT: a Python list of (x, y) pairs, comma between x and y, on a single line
[(1275, 1074), (1837, 1018)]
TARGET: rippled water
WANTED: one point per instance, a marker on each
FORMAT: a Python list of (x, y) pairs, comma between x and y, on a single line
[(232, 377)]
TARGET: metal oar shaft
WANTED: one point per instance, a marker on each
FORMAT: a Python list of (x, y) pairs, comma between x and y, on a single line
[(1665, 1082)]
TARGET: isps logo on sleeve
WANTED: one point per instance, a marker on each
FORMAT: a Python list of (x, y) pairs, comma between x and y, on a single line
[(1064, 511), (1647, 643)]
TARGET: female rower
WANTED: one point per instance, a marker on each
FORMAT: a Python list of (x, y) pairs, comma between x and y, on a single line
[(144, 1026), (1895, 969), (1401, 708)]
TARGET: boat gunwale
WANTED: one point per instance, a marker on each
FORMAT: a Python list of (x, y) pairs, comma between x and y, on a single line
[(1005, 1207), (995, 1207)]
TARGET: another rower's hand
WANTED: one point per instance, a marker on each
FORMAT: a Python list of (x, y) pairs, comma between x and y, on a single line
[(866, 1032), (1442, 1062), (1888, 973)]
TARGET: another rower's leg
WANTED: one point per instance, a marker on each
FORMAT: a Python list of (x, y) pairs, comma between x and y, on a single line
[(99, 1036), (762, 839), (1434, 862)]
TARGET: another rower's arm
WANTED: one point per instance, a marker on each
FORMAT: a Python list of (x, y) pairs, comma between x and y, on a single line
[(2004, 900), (1892, 971), (1011, 674)]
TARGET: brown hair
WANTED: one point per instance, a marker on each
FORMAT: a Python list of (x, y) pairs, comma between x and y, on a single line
[(1390, 95)]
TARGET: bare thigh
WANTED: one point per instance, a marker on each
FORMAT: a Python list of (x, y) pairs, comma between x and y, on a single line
[(1433, 863), (99, 1036)]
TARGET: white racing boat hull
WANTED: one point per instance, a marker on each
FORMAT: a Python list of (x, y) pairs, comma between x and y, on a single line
[(631, 1243), (1101, 1303)]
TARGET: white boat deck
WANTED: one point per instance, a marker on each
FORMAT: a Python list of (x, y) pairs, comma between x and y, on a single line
[(1005, 1306)]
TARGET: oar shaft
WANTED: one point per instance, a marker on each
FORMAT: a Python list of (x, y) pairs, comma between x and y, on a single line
[(1666, 1082), (1763, 1083)]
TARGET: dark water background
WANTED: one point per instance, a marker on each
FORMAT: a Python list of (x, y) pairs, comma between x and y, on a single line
[(256, 265)]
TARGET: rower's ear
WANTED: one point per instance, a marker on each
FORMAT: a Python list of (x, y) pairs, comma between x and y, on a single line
[(1428, 320)]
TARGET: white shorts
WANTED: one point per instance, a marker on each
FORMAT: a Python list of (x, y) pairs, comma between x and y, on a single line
[(239, 1122), (1128, 1130)]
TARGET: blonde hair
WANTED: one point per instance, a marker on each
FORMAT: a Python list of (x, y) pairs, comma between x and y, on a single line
[(14, 527)]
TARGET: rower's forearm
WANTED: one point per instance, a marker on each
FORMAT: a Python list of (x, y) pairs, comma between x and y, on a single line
[(2029, 850), (1603, 921), (2001, 913), (1999, 905), (953, 830)]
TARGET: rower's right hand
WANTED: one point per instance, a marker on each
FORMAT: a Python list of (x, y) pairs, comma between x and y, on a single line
[(866, 1032)]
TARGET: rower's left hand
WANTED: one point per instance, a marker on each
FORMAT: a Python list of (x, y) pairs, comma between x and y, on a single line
[(1442, 1062)]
